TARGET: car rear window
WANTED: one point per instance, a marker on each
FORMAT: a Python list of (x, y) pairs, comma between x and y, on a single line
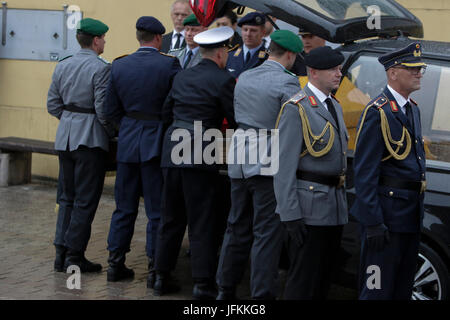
[(349, 9), (366, 78)]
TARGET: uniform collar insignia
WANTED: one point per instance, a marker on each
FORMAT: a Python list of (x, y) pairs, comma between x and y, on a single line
[(313, 101), (238, 52), (262, 54), (394, 107)]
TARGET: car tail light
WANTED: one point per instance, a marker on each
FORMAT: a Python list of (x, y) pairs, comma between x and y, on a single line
[(204, 10)]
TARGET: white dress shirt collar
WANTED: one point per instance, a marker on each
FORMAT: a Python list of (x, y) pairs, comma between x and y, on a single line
[(319, 94), (399, 98)]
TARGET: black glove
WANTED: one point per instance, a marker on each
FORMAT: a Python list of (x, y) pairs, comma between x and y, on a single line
[(377, 237), (296, 230)]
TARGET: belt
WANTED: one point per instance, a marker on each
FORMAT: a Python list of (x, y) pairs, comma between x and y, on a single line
[(186, 125), (334, 181), (418, 186), (74, 108), (142, 116)]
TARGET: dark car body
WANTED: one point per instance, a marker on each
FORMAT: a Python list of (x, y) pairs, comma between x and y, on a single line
[(346, 22)]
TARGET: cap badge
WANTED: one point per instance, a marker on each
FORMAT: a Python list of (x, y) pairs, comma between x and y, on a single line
[(417, 53)]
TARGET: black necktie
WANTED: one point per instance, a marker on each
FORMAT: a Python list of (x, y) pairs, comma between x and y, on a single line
[(188, 59), (264, 43), (177, 44), (332, 110), (247, 57), (409, 114)]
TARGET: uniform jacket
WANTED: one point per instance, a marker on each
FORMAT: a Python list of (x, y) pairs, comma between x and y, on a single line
[(316, 203), (399, 209), (236, 65), (181, 54), (201, 93), (80, 80), (257, 103), (140, 82), (167, 43)]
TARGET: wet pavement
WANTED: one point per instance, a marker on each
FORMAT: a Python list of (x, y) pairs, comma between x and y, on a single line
[(27, 226)]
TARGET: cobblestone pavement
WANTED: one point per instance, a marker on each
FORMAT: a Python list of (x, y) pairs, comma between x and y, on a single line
[(27, 226)]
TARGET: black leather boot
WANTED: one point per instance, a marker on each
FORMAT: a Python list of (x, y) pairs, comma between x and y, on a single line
[(165, 284), (151, 278), (117, 270), (226, 293), (77, 258), (60, 257), (204, 289)]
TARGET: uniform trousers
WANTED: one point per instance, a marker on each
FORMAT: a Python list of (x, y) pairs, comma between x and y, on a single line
[(311, 265), (397, 264), (82, 175), (256, 233), (188, 199), (132, 181)]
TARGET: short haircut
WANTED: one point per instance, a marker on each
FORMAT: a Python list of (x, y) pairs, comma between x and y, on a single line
[(276, 50), (186, 2), (144, 35), (230, 15), (85, 40), (208, 52)]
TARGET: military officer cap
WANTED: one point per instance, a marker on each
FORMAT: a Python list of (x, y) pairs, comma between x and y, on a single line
[(150, 24), (214, 38), (287, 40), (252, 19), (324, 58), (191, 21), (92, 27), (410, 56), (302, 31)]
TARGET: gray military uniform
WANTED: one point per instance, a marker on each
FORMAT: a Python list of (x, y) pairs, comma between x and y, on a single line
[(181, 55), (72, 84), (253, 227), (322, 207), (317, 204)]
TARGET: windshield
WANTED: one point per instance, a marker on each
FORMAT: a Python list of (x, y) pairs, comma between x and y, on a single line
[(366, 78), (349, 9)]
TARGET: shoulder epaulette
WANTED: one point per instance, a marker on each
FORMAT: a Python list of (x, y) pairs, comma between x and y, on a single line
[(262, 54), (65, 58), (103, 60), (379, 102), (334, 97), (234, 48), (120, 57), (174, 50), (413, 101), (299, 96), (166, 54)]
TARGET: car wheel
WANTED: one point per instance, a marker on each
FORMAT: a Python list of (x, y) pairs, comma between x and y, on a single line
[(431, 281)]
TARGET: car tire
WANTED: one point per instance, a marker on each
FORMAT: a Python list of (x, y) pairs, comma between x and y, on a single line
[(432, 280)]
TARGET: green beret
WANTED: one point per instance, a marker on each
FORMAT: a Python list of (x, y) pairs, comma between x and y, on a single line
[(191, 21), (287, 40), (92, 27)]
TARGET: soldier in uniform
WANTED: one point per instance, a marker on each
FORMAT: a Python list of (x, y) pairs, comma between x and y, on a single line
[(189, 56), (202, 94), (257, 102), (76, 97), (252, 53), (389, 168), (139, 85), (309, 186)]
